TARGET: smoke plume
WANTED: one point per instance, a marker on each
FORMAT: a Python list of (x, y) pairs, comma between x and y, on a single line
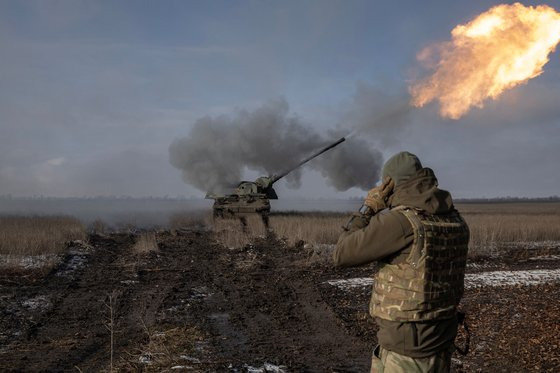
[(381, 116), (214, 156)]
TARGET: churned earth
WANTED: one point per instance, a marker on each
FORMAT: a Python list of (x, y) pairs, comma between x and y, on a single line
[(197, 306)]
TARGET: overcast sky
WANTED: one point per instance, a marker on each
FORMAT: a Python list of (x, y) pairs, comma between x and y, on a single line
[(92, 93)]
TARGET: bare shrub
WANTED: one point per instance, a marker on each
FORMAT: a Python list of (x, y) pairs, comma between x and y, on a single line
[(38, 235), (145, 242), (109, 324)]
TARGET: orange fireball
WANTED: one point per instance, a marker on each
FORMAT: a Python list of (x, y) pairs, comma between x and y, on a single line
[(499, 49)]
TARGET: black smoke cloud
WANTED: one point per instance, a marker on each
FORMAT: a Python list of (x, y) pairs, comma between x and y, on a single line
[(269, 140)]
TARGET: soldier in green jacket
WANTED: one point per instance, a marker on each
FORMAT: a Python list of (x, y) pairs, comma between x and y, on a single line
[(420, 241)]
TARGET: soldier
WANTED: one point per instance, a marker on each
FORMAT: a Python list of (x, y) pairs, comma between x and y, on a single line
[(420, 241)]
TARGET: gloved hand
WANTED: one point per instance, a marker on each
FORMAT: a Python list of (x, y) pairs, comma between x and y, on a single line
[(377, 197)]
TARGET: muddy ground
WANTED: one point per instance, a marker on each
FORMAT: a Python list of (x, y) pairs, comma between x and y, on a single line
[(197, 306)]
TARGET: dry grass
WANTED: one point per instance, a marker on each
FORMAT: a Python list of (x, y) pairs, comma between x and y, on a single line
[(500, 225), (195, 219), (523, 208), (146, 242), (316, 228), (38, 235), (488, 229), (491, 225), (233, 233), (164, 350)]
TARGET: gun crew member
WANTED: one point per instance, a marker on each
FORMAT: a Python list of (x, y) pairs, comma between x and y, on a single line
[(412, 229)]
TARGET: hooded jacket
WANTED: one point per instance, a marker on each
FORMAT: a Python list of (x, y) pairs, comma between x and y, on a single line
[(388, 237)]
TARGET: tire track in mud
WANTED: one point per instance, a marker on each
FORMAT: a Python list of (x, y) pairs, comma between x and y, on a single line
[(262, 306), (72, 332), (214, 309), (267, 308)]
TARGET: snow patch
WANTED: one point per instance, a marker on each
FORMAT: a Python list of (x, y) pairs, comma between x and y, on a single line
[(200, 292), (509, 278), (265, 368), (190, 358), (456, 361), (351, 283), (29, 261), (533, 244), (201, 346), (37, 303), (530, 245), (475, 280), (145, 359), (78, 252), (480, 265), (545, 257), (74, 262), (75, 248)]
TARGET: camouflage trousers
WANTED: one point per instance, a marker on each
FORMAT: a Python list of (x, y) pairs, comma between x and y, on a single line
[(385, 361)]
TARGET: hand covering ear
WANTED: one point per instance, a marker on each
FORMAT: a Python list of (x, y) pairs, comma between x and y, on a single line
[(378, 196)]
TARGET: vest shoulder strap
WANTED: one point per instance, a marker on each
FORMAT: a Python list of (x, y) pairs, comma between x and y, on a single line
[(417, 252)]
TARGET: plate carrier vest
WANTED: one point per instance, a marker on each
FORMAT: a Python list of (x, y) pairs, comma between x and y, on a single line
[(429, 284)]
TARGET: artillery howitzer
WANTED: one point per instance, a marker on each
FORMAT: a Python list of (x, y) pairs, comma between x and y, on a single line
[(253, 197)]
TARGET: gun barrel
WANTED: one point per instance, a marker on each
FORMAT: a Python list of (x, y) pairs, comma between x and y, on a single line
[(318, 153)]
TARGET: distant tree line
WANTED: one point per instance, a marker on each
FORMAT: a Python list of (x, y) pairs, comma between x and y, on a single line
[(96, 198), (506, 199)]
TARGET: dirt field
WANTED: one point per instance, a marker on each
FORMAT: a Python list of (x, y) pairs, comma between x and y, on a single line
[(197, 306)]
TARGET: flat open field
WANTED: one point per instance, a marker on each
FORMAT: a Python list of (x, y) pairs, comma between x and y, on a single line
[(204, 299)]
